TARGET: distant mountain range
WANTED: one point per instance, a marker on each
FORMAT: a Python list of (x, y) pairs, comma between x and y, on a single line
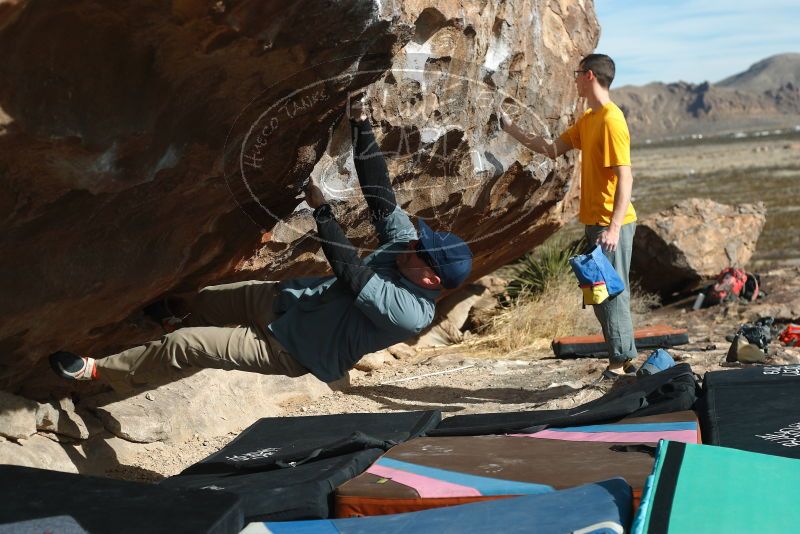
[(765, 96)]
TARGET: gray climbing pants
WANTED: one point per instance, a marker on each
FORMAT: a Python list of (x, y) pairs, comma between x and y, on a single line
[(226, 329), (615, 313)]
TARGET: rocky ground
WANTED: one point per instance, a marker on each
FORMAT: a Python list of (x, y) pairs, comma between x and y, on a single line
[(472, 381)]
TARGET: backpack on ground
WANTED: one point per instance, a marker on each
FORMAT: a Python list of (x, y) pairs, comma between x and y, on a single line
[(790, 336), (757, 335), (733, 283), (752, 287)]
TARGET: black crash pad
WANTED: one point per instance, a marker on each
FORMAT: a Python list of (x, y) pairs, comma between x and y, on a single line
[(284, 494), (286, 468), (671, 390), (101, 505), (274, 442), (754, 409), (61, 524)]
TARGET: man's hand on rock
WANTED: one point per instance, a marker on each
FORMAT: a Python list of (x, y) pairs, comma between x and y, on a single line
[(314, 196), (609, 238), (356, 108)]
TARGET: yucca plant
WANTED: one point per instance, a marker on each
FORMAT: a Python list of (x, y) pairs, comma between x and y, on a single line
[(531, 274)]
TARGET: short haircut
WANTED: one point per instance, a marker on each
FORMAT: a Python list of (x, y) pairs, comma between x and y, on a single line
[(602, 66)]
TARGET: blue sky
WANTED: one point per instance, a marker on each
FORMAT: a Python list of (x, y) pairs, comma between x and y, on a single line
[(693, 40)]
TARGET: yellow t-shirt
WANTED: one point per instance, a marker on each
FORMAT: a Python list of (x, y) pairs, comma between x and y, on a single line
[(603, 139)]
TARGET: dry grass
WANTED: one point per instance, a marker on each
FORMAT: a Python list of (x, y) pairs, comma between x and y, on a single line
[(555, 311), (532, 321), (642, 303)]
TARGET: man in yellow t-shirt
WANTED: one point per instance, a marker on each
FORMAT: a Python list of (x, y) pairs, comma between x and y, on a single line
[(601, 135)]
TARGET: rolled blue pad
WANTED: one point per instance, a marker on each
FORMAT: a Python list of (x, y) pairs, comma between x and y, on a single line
[(600, 508), (658, 361)]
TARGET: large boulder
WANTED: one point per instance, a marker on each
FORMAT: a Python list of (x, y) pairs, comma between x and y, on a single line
[(149, 148), (693, 241), (153, 147), (114, 160)]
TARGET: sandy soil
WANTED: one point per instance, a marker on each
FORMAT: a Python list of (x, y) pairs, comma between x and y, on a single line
[(717, 156)]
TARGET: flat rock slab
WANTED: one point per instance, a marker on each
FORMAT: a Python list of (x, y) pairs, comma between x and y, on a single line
[(209, 403), (17, 416), (39, 451), (62, 418), (375, 360), (136, 420)]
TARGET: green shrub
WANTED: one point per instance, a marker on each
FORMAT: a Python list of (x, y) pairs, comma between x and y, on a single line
[(531, 274)]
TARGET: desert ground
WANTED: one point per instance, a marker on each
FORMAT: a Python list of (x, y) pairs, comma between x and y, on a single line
[(485, 375)]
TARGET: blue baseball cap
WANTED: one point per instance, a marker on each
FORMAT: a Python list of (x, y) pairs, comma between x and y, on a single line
[(446, 253)]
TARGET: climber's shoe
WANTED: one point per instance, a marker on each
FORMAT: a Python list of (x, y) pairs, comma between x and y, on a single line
[(73, 367)]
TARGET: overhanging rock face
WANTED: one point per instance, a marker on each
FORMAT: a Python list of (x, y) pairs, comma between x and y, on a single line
[(151, 147)]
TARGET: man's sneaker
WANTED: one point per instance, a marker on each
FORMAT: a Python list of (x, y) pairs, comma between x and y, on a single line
[(628, 369), (73, 367)]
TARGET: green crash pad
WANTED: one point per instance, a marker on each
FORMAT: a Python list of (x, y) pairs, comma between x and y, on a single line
[(709, 489)]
